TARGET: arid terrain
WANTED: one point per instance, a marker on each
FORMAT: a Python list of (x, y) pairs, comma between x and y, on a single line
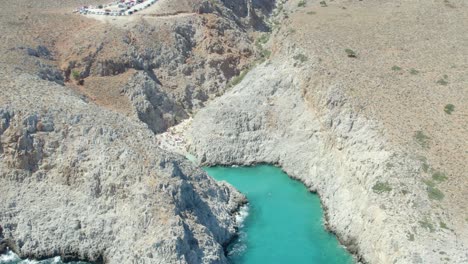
[(365, 102)]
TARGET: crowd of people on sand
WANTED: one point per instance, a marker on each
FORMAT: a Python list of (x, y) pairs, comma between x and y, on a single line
[(116, 8), (174, 138)]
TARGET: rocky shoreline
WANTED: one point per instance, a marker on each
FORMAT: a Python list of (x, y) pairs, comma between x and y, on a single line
[(92, 167), (334, 152)]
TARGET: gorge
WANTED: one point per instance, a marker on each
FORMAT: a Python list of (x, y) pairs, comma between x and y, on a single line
[(363, 102)]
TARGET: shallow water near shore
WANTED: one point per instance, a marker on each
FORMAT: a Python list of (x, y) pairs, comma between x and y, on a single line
[(284, 223)]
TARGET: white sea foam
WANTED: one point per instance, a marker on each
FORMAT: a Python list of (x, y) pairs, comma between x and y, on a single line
[(240, 246), (242, 215), (12, 258), (9, 257)]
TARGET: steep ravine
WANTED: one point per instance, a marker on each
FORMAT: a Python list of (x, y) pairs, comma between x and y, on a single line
[(85, 183), (275, 116), (81, 175)]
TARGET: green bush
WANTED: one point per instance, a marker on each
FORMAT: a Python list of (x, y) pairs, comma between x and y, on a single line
[(414, 71), (439, 176), (311, 13), (266, 53), (449, 109), (350, 53), (301, 3), (236, 80), (443, 80), (421, 139), (381, 187), (396, 68), (443, 225), (301, 57), (425, 167), (426, 223), (263, 38), (429, 183), (76, 74), (323, 4), (435, 194)]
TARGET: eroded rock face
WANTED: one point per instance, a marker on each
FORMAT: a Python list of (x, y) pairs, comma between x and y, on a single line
[(314, 134), (151, 105), (192, 53), (86, 183)]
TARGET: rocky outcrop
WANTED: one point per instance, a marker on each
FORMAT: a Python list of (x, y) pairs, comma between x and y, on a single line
[(81, 179), (152, 106), (373, 193), (191, 56), (85, 183)]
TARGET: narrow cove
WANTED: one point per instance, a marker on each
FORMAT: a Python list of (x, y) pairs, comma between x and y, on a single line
[(284, 223)]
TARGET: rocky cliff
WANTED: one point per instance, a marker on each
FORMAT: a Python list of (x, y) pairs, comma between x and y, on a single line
[(372, 193), (85, 183), (332, 109), (81, 175)]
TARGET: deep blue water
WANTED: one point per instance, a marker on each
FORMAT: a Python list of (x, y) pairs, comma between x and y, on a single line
[(284, 222)]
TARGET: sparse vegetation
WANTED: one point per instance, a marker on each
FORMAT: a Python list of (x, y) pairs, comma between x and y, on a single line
[(301, 3), (426, 223), (439, 176), (443, 225), (396, 68), (449, 108), (413, 71), (429, 183), (76, 74), (421, 139), (301, 57), (410, 236), (443, 80), (236, 80), (263, 39), (434, 193), (425, 167), (266, 53), (448, 4), (381, 187), (350, 53)]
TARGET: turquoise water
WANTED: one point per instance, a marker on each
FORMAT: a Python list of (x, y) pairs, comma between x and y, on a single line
[(284, 222)]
